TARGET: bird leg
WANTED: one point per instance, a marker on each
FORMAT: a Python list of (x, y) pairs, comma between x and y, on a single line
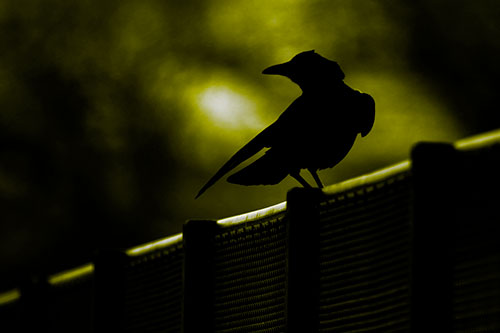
[(316, 178), (300, 179)]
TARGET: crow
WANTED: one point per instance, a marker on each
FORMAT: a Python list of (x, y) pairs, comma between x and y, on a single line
[(315, 132)]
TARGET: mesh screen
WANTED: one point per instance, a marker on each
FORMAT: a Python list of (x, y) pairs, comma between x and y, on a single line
[(476, 303), (476, 277), (476, 241), (10, 317), (249, 268), (70, 305), (365, 258), (153, 291)]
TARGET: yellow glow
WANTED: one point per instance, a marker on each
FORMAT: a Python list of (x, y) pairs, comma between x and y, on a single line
[(227, 108), (225, 113), (152, 246), (253, 215), (406, 114), (71, 274), (9, 296), (479, 140)]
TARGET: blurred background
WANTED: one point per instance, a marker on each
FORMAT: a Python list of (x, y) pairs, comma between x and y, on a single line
[(114, 113)]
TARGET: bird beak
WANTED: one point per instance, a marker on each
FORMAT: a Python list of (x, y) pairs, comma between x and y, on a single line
[(281, 69)]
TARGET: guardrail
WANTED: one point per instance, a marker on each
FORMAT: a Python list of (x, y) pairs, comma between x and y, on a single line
[(409, 248)]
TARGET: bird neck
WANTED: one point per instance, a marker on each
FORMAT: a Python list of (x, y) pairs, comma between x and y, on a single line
[(322, 87)]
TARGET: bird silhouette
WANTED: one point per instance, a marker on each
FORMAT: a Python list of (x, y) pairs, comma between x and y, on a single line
[(315, 132)]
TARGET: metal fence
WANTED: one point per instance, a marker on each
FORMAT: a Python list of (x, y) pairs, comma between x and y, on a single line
[(410, 248)]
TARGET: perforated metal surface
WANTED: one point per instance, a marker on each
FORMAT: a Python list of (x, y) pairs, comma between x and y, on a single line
[(153, 291), (249, 267), (365, 258)]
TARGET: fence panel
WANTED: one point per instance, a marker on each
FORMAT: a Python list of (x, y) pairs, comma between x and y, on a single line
[(250, 275), (365, 237)]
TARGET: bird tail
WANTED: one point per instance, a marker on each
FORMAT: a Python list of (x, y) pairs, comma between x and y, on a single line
[(265, 171), (247, 151)]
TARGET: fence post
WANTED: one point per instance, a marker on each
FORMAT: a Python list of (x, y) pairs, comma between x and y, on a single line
[(302, 260), (198, 242), (433, 167), (109, 291)]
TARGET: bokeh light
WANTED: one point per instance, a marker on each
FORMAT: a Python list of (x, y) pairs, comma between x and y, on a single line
[(226, 108)]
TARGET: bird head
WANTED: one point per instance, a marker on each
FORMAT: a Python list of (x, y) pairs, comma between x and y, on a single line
[(308, 69)]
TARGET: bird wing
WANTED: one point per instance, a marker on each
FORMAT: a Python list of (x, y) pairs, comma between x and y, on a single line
[(367, 109), (261, 141)]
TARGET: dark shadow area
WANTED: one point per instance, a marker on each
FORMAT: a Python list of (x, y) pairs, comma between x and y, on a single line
[(67, 189), (455, 44)]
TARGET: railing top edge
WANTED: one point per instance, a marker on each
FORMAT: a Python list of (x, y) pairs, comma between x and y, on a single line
[(252, 216), (71, 274), (478, 141), (154, 245), (9, 296), (367, 179)]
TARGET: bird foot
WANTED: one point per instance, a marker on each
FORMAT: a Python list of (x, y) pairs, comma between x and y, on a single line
[(316, 178), (301, 180)]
